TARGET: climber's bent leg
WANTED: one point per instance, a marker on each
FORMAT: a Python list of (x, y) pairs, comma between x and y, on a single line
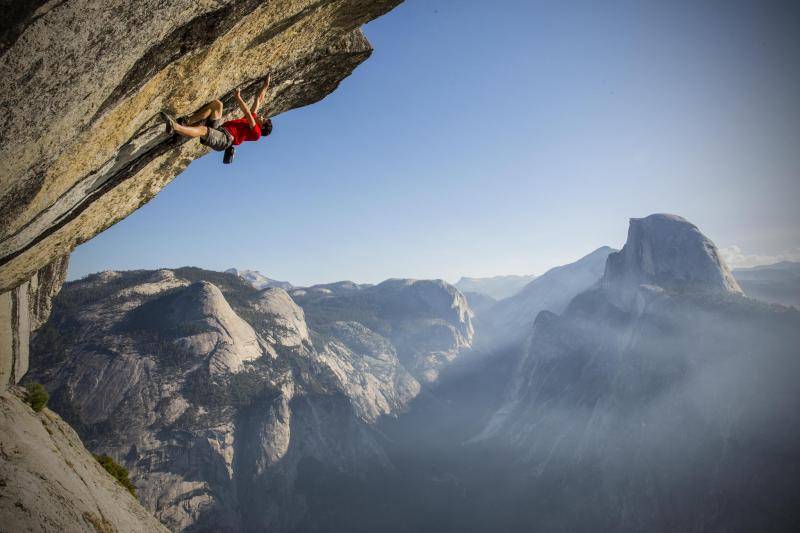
[(211, 133), (190, 131), (211, 110)]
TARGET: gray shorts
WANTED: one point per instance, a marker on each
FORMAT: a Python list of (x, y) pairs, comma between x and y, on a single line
[(218, 138)]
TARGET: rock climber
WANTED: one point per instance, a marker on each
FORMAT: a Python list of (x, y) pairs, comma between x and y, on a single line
[(206, 123)]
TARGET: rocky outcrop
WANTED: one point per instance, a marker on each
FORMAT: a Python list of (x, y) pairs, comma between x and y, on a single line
[(217, 396), (101, 72), (287, 322), (50, 482), (669, 252), (22, 310), (213, 330), (366, 365)]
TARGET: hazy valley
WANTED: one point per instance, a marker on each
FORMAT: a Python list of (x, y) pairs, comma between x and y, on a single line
[(640, 386)]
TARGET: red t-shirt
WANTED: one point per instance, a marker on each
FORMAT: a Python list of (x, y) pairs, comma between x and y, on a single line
[(241, 130)]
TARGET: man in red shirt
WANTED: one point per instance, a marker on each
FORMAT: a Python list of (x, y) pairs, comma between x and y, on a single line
[(206, 123)]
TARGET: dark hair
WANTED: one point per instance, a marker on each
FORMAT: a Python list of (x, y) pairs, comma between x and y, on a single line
[(266, 127)]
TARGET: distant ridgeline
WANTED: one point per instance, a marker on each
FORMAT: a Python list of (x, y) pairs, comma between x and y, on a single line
[(156, 367), (640, 387)]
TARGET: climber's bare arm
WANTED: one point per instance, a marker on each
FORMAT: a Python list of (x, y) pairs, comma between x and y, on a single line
[(246, 112), (259, 99)]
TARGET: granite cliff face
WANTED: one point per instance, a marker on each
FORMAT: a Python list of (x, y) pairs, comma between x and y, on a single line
[(100, 72), (669, 252), (224, 400), (42, 456), (22, 310)]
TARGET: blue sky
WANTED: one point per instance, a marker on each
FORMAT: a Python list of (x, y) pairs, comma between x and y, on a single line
[(486, 138)]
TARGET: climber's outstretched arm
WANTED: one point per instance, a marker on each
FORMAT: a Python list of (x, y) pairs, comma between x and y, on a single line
[(260, 96), (247, 114)]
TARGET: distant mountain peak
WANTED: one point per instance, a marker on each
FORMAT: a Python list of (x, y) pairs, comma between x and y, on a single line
[(670, 252), (259, 280)]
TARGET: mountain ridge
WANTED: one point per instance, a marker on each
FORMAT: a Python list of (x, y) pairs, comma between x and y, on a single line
[(510, 319), (156, 367), (496, 287), (777, 283)]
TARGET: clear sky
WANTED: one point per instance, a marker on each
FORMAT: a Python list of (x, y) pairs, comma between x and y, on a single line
[(485, 138)]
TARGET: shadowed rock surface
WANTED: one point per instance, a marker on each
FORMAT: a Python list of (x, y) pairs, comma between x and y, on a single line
[(479, 302)]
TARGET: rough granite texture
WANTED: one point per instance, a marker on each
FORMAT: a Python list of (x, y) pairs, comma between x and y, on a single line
[(101, 72), (50, 482)]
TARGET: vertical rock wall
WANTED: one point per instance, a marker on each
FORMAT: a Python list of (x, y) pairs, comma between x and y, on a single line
[(22, 310)]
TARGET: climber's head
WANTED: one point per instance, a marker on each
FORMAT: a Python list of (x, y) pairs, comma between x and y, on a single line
[(266, 125)]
